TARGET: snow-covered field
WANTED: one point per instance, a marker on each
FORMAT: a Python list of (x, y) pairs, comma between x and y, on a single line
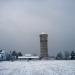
[(44, 67)]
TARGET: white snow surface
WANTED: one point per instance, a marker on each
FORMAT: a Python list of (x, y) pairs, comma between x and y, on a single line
[(43, 67)]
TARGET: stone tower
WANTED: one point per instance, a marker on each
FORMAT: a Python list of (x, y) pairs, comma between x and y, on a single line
[(43, 45)]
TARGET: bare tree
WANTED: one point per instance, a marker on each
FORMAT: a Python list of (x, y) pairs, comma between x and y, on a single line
[(66, 54), (59, 56)]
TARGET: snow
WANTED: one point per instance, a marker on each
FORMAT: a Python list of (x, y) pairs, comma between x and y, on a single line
[(43, 33), (34, 57), (43, 67)]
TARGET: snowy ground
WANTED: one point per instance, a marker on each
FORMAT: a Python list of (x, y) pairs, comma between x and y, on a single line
[(50, 67)]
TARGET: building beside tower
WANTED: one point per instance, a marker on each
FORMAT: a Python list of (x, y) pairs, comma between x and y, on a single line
[(43, 45)]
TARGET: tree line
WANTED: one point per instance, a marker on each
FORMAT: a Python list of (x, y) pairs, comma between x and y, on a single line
[(65, 56), (13, 55)]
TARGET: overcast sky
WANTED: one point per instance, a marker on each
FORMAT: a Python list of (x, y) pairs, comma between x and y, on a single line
[(21, 22)]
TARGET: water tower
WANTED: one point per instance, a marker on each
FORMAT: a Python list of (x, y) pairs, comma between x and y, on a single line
[(43, 45)]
